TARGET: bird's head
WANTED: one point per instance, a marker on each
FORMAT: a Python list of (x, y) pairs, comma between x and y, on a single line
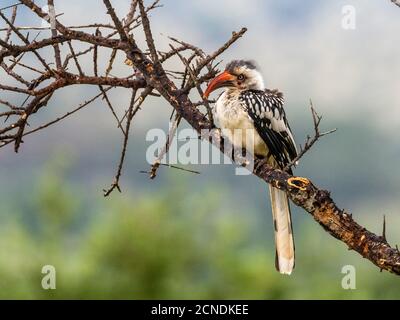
[(238, 75)]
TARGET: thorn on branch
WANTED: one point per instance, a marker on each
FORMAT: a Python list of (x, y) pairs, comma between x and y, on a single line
[(384, 228)]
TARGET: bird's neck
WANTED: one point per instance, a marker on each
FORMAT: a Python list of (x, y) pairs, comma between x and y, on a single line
[(234, 92)]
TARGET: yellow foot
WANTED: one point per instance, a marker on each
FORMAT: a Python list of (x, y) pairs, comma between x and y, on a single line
[(128, 62), (298, 183)]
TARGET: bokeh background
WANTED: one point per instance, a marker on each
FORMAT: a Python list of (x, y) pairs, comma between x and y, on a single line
[(186, 236)]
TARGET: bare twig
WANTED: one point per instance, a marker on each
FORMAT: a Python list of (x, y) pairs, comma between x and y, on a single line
[(206, 61), (140, 100), (25, 40), (66, 115), (9, 30), (10, 6), (131, 14), (87, 26), (310, 140), (111, 62), (147, 32), (115, 19), (131, 113), (173, 167), (57, 53), (193, 77), (78, 66), (171, 134)]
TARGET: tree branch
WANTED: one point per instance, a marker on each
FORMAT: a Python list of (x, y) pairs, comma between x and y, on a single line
[(151, 78), (337, 222)]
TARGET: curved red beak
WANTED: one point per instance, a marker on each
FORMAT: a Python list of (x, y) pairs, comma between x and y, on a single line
[(224, 79)]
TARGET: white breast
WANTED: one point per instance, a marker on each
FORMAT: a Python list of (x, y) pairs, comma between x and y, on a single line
[(236, 125)]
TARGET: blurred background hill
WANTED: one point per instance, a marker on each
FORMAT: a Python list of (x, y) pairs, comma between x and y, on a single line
[(177, 244), (210, 235)]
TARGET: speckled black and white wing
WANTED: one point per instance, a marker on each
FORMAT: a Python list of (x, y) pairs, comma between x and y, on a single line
[(265, 108)]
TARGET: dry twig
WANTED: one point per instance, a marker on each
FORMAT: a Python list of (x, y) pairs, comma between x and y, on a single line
[(310, 140)]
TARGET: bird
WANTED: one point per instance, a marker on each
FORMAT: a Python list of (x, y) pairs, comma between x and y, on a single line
[(246, 104)]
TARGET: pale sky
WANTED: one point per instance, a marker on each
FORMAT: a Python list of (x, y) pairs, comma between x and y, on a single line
[(300, 46)]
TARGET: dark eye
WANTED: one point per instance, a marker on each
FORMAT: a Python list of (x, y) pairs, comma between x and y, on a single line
[(240, 77)]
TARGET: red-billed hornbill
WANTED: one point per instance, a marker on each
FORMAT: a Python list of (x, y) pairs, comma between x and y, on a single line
[(246, 104)]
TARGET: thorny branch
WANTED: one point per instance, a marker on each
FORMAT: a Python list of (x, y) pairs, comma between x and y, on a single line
[(27, 87)]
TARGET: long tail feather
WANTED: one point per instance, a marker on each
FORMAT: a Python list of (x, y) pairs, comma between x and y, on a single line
[(284, 260)]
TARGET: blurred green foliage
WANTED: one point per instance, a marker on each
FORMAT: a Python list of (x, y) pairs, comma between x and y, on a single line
[(177, 244)]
